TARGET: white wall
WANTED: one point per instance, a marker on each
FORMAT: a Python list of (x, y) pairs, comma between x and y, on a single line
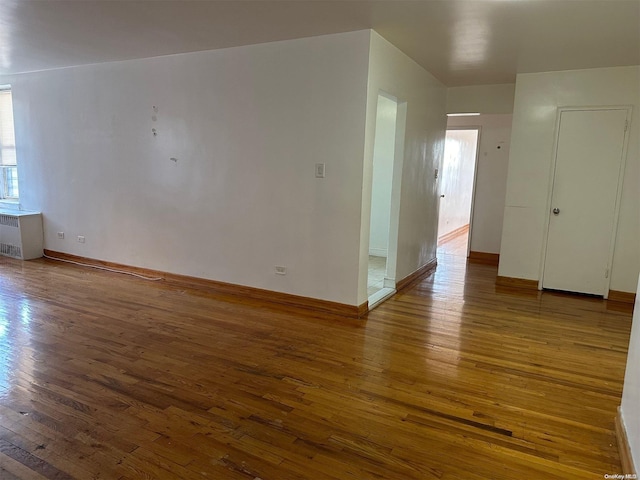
[(383, 152), (424, 98), (456, 180), (490, 99), (630, 407), (491, 178), (538, 95), (246, 125)]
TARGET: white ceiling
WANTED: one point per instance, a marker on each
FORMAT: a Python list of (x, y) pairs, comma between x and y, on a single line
[(461, 42)]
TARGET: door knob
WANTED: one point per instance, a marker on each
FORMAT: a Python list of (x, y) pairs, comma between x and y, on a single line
[(441, 196), (556, 211)]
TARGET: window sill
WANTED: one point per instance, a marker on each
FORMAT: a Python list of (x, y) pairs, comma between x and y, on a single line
[(10, 204)]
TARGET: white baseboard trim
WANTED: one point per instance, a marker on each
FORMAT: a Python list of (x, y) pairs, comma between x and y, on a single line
[(380, 296), (378, 252)]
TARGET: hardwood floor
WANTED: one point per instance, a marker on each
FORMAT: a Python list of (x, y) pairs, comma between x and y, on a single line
[(104, 376), (455, 245)]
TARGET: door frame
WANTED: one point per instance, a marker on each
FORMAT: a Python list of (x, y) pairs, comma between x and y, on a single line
[(552, 176), (478, 128), (390, 274), (389, 282)]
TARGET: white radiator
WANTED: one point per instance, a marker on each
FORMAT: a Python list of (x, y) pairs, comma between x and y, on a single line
[(21, 234)]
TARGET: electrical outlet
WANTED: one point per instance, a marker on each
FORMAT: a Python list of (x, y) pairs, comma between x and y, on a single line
[(61, 235), (320, 170), (280, 270), (80, 239)]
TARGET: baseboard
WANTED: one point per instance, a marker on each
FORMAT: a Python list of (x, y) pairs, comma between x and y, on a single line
[(417, 275), (378, 252), (324, 306), (621, 297), (626, 459), (484, 258), (453, 234), (521, 283), (363, 309)]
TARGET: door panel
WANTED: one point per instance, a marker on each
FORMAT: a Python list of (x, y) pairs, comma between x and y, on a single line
[(588, 159)]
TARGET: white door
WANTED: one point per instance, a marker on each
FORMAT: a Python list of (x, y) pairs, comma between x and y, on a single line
[(583, 201)]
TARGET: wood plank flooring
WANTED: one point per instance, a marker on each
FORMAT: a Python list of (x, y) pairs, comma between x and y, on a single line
[(105, 376), (456, 245)]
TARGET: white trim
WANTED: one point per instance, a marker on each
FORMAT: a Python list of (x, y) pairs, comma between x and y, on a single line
[(616, 211), (396, 189), (550, 183), (380, 296), (552, 176), (391, 253)]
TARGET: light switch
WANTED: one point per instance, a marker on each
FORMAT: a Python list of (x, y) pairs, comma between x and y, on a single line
[(319, 170)]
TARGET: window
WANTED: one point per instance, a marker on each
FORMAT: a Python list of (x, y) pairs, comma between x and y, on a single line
[(8, 161)]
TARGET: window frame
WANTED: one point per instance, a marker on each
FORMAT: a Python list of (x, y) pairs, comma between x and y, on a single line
[(9, 172)]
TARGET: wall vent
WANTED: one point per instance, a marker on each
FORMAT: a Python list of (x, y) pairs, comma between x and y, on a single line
[(10, 250)]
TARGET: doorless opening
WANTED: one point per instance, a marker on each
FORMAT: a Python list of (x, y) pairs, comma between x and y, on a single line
[(385, 197), (457, 190)]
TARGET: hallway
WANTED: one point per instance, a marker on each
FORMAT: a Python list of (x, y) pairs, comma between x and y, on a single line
[(454, 378), (456, 246)]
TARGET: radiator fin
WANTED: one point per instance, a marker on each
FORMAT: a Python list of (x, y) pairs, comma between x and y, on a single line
[(10, 250), (9, 220)]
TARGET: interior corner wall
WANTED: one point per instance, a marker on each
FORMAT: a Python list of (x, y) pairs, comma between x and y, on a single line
[(491, 178), (226, 188), (489, 99), (392, 72), (630, 406), (537, 98)]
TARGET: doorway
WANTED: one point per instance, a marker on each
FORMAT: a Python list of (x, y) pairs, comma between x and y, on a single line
[(584, 199), (385, 194), (457, 191)]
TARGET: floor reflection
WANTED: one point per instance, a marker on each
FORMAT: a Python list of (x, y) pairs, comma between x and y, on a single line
[(97, 367), (15, 336)]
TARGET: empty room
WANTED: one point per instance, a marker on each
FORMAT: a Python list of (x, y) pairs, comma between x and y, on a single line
[(237, 240)]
